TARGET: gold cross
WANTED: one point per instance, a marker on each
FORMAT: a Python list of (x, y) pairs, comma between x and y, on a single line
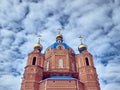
[(39, 36), (81, 39), (59, 30)]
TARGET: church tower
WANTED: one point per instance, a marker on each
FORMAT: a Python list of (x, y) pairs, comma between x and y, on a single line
[(86, 69), (34, 68), (59, 68)]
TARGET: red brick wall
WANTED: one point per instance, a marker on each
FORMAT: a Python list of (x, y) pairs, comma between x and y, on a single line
[(61, 85)]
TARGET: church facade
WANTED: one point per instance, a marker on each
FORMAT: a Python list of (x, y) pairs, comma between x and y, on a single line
[(59, 68)]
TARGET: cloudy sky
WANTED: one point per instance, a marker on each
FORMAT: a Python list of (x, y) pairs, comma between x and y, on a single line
[(98, 21)]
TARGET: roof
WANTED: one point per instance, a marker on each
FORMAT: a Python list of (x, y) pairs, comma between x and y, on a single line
[(59, 43), (61, 77)]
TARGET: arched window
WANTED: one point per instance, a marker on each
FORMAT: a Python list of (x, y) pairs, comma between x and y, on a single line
[(60, 63), (47, 65), (87, 61), (34, 61)]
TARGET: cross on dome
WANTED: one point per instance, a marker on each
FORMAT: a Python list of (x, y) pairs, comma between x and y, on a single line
[(59, 30), (39, 36), (38, 45), (59, 37), (81, 39), (82, 46)]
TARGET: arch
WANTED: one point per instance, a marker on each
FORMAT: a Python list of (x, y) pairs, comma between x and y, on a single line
[(87, 61), (60, 63), (34, 61), (60, 47)]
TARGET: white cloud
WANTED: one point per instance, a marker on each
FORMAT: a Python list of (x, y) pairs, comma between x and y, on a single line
[(96, 20), (6, 83)]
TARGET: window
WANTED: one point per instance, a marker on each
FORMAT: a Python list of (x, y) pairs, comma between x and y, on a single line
[(47, 66), (34, 61), (87, 61), (60, 63)]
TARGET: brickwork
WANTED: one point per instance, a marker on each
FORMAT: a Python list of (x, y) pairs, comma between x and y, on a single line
[(50, 84), (60, 60)]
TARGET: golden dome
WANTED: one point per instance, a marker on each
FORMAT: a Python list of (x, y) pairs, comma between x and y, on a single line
[(59, 38), (38, 45), (59, 35), (81, 46)]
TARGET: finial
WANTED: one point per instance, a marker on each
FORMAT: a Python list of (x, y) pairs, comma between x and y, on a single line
[(59, 30), (82, 46), (38, 46), (39, 36), (59, 37), (81, 39)]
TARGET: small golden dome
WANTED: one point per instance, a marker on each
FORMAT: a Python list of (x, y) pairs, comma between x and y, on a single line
[(59, 35), (59, 38), (38, 45), (82, 46)]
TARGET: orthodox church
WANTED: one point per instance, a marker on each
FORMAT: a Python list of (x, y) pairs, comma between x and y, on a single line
[(59, 68)]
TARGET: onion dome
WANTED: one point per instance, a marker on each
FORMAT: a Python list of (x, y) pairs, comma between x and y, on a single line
[(59, 42), (38, 45), (59, 37), (82, 47)]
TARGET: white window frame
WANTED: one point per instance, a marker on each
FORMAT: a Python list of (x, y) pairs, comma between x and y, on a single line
[(60, 63)]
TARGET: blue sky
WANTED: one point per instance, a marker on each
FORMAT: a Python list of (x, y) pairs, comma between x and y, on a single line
[(98, 21)]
